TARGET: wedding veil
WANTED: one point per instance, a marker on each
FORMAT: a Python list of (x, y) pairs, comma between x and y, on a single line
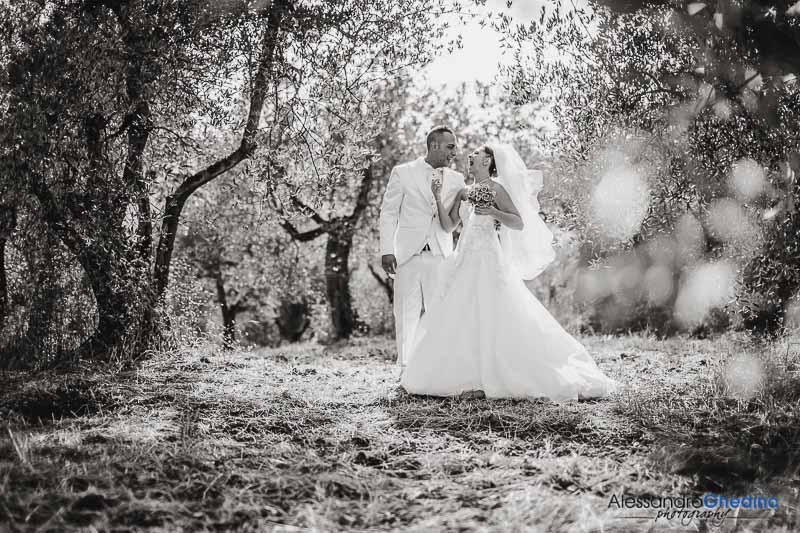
[(531, 249)]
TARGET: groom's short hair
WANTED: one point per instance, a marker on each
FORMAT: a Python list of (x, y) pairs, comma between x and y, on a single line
[(435, 132)]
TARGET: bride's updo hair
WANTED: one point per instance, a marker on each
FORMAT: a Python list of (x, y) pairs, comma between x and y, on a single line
[(492, 165)]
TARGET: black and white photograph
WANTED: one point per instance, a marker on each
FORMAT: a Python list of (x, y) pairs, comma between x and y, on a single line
[(399, 266)]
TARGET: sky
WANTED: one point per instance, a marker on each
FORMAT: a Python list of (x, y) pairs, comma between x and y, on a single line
[(481, 52)]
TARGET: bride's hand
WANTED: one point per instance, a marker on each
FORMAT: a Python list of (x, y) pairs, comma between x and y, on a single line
[(480, 210)]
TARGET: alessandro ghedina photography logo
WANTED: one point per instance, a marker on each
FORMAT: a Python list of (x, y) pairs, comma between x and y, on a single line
[(711, 507)]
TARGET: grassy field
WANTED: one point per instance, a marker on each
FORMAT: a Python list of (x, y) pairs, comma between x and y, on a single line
[(311, 437)]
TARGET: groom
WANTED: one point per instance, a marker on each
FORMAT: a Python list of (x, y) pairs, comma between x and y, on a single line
[(413, 242)]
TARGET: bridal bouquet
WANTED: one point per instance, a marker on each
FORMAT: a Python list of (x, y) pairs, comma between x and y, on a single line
[(481, 196)]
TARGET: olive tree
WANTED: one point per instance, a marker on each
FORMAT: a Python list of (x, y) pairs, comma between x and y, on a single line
[(101, 94)]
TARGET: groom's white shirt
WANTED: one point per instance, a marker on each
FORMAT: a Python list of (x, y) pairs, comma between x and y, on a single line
[(409, 218)]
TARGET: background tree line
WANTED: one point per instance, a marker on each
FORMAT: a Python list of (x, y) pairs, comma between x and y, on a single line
[(172, 170), (697, 104), (117, 113)]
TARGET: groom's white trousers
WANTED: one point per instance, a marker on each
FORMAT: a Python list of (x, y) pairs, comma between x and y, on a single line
[(416, 280)]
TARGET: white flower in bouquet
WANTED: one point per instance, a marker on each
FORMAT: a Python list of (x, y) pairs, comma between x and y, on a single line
[(481, 195)]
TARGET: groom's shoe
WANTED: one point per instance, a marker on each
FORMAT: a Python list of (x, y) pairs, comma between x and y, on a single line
[(472, 395)]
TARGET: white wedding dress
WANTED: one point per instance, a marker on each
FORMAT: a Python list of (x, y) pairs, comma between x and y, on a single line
[(486, 331)]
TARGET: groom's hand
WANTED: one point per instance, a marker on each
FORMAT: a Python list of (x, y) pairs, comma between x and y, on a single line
[(389, 263), (436, 188)]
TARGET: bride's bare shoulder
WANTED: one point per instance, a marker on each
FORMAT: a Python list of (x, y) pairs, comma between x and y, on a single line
[(497, 186), (501, 194)]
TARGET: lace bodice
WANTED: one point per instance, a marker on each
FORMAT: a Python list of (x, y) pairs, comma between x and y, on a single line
[(480, 234)]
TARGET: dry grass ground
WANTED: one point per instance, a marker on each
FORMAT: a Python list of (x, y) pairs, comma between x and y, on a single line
[(312, 438)]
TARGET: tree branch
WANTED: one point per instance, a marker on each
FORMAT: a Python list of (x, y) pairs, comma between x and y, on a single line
[(175, 202), (386, 283), (305, 236), (362, 200), (316, 217)]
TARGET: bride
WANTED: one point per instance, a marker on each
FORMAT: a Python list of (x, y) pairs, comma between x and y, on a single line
[(486, 334)]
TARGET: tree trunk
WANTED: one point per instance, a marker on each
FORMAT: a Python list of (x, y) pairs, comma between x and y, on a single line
[(387, 283), (8, 221), (122, 315), (121, 288), (44, 299), (340, 233), (175, 202), (228, 313), (293, 320), (337, 256), (337, 279), (3, 284)]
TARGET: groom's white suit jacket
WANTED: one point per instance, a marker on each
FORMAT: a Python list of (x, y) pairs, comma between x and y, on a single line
[(408, 212)]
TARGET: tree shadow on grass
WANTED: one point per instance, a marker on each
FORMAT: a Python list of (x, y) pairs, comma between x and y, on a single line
[(565, 426), (188, 476), (51, 397), (42, 398), (724, 445)]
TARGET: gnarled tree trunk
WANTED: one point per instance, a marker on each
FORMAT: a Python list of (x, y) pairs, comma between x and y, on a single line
[(337, 280), (229, 312), (340, 232)]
